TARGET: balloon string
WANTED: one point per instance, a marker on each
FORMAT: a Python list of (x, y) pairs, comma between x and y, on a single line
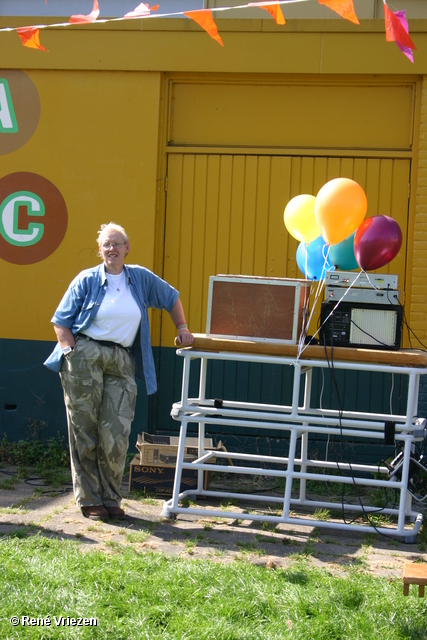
[(367, 276), (307, 318), (333, 310), (325, 258), (317, 293)]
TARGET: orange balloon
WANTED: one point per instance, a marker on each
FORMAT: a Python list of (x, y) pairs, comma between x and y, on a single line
[(340, 207)]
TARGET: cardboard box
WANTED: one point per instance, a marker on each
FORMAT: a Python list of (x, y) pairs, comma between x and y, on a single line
[(162, 450), (153, 468), (262, 309), (158, 479)]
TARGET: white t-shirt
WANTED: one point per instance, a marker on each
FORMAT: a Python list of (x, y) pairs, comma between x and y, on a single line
[(118, 317)]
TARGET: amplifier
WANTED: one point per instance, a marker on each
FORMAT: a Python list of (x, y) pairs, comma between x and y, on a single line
[(366, 326), (370, 296), (351, 278)]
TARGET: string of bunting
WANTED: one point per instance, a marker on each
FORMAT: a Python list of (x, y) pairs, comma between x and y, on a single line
[(396, 25)]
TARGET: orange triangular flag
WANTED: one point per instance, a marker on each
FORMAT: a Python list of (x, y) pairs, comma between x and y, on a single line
[(276, 12), (89, 18), (394, 30), (344, 8), (273, 9), (30, 37), (205, 20)]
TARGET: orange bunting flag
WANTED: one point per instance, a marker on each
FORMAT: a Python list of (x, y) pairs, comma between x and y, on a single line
[(89, 18), (396, 30), (205, 20), (344, 8), (273, 9), (141, 11), (30, 38)]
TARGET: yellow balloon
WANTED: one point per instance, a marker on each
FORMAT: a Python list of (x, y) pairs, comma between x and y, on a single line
[(300, 220), (340, 208)]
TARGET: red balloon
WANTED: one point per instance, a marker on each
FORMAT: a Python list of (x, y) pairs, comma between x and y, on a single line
[(376, 242)]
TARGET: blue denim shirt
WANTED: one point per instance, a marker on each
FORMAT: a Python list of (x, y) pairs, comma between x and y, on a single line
[(80, 304)]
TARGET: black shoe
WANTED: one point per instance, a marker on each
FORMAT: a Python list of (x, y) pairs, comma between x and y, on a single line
[(98, 512), (116, 512)]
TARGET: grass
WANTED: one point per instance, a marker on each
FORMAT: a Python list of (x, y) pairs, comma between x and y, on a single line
[(134, 595), (138, 537), (266, 539), (14, 510), (144, 498), (250, 548), (35, 451), (9, 483), (322, 514), (20, 532), (144, 595)]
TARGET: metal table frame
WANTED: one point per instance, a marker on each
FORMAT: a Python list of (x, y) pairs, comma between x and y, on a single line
[(299, 421)]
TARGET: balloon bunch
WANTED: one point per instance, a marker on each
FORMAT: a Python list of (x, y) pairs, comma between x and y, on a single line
[(334, 234)]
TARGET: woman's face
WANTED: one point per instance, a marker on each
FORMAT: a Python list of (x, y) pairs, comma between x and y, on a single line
[(113, 250)]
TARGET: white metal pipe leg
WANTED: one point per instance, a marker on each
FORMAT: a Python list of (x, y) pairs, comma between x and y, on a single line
[(179, 461), (304, 437), (290, 470)]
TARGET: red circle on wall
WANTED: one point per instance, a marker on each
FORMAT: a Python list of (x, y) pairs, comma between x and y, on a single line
[(33, 218)]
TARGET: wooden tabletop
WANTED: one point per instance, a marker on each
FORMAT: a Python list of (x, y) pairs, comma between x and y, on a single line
[(402, 357)]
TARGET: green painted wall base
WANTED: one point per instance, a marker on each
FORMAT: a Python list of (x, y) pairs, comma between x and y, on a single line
[(31, 396)]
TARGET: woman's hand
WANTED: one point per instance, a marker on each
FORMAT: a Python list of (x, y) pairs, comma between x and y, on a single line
[(65, 336), (185, 338)]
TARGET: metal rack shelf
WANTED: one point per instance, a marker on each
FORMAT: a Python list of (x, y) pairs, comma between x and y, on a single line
[(298, 421)]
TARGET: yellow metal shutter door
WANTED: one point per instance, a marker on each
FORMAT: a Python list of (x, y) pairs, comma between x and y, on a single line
[(224, 214)]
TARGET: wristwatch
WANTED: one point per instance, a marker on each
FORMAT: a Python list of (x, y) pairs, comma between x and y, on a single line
[(67, 350)]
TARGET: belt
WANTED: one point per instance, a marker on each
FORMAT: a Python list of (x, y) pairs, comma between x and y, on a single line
[(104, 343)]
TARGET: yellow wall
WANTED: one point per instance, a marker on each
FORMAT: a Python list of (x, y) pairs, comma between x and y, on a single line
[(418, 257), (106, 126), (293, 112), (96, 141)]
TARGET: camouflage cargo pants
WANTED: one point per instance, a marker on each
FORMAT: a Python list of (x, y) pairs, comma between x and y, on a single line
[(100, 395)]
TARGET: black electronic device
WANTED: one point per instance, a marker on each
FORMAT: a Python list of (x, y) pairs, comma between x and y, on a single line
[(365, 326)]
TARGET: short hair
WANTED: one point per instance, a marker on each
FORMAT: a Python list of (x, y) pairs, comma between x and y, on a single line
[(111, 226)]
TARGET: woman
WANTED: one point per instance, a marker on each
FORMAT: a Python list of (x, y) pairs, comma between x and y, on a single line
[(103, 339)]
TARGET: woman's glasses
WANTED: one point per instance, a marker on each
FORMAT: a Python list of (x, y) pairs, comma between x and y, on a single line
[(112, 245)]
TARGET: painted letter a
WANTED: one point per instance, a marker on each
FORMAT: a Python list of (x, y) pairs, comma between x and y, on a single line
[(8, 123)]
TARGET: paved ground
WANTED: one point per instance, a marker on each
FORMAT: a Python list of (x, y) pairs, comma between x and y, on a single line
[(31, 507)]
